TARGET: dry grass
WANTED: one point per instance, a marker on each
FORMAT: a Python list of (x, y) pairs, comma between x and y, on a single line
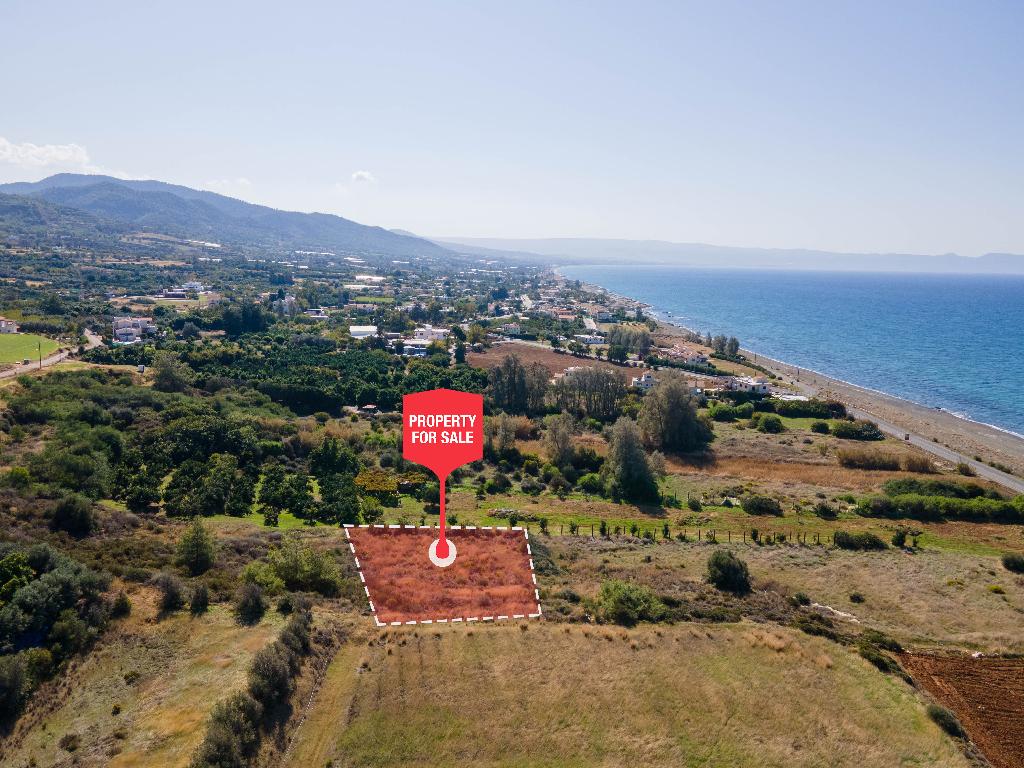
[(165, 677), (527, 353), (599, 696), (933, 598)]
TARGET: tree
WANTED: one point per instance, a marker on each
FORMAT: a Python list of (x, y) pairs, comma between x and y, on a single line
[(732, 346), (669, 418), (196, 549), (592, 392), (333, 456), (630, 474), (170, 373), (143, 491), (517, 388), (718, 344), (559, 438), (727, 572), (339, 500)]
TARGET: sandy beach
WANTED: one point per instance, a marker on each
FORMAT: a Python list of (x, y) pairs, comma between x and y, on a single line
[(963, 439), (950, 437)]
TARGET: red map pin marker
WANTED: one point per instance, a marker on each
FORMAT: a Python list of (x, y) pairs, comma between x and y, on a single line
[(442, 429)]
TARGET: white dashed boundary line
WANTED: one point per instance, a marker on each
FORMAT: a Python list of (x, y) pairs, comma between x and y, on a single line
[(449, 620)]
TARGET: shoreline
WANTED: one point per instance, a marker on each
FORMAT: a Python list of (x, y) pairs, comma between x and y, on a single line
[(950, 436)]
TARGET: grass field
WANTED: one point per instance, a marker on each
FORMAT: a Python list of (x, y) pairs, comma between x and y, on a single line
[(15, 347), (554, 696), (141, 699)]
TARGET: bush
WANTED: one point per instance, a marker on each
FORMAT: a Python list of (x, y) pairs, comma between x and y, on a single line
[(196, 548), (965, 469), (946, 720), (861, 459), (770, 423), (761, 505), (857, 430), (821, 427), (200, 602), (171, 591), (73, 514), (858, 541), (728, 572), (620, 602), (955, 490), (920, 464), (122, 606), (1013, 562), (270, 678), (938, 508), (249, 604), (13, 685), (591, 483)]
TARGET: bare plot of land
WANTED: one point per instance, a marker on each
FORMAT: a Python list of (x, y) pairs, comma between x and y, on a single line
[(987, 695), (491, 578)]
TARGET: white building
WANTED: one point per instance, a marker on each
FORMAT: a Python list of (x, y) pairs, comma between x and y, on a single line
[(316, 314), (8, 326), (749, 384), (588, 338), (511, 329), (415, 347), (130, 330), (644, 381), (430, 333), (362, 331)]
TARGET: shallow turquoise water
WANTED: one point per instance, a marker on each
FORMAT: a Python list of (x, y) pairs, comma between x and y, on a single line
[(951, 341)]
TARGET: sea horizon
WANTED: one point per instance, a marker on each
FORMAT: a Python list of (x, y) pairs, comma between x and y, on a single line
[(795, 336)]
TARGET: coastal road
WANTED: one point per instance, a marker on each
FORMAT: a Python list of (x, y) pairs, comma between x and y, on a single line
[(942, 452), (92, 341)]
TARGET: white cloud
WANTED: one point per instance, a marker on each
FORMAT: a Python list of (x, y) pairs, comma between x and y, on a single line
[(233, 187), (364, 177), (26, 161)]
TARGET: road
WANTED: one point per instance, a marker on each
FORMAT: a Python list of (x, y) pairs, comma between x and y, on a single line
[(942, 452), (92, 341)]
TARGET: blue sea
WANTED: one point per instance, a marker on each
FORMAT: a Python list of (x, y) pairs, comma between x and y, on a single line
[(949, 341)]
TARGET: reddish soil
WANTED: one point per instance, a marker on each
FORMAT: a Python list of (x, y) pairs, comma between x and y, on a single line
[(986, 694), (555, 363), (491, 575)]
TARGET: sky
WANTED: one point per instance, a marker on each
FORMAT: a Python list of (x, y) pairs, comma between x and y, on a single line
[(848, 126)]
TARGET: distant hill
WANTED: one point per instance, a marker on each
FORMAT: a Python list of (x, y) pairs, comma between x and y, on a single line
[(196, 214), (30, 220), (601, 251)]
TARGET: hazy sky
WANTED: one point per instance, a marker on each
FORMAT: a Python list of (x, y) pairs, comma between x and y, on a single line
[(846, 126)]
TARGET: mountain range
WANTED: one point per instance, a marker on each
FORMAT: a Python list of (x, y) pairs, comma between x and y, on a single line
[(660, 252), (154, 206)]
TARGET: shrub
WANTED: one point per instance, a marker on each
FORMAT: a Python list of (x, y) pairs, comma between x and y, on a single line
[(620, 602), (171, 591), (824, 511), (728, 572), (249, 604), (821, 427), (920, 464), (693, 504), (956, 490), (69, 742), (196, 548), (857, 430), (770, 423), (591, 483), (801, 598), (73, 514), (858, 541), (13, 684), (1013, 562), (861, 459), (200, 602), (965, 469), (761, 505), (937, 508), (270, 678), (856, 597), (899, 539), (946, 720), (122, 606)]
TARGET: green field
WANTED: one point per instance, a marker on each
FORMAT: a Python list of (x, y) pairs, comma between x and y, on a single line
[(15, 347), (567, 697)]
